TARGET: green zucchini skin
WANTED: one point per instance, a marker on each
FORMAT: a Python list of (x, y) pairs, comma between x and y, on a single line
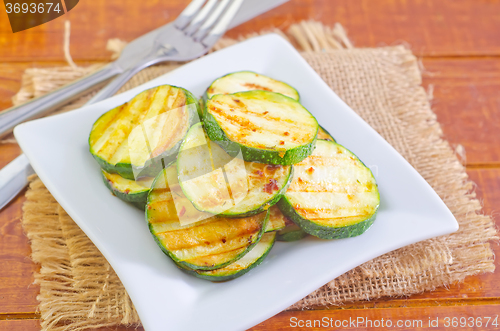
[(152, 166), (222, 275), (345, 190), (137, 198), (289, 236), (262, 155)]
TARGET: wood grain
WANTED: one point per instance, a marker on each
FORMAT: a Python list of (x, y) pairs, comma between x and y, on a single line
[(416, 318), (467, 103), (472, 317), (17, 293), (431, 28), (17, 325)]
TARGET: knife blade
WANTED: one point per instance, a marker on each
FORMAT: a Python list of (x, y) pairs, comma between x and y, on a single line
[(14, 176)]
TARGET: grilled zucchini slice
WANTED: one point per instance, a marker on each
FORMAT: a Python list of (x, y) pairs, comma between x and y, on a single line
[(134, 192), (118, 138), (268, 127), (219, 184), (236, 269), (248, 81), (209, 242), (324, 135), (333, 194)]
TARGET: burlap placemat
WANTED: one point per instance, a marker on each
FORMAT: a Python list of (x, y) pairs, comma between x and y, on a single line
[(79, 289)]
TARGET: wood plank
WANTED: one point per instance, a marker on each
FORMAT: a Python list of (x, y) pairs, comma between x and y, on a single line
[(432, 28), (474, 317), (16, 325), (17, 291), (8, 152), (358, 319), (467, 104)]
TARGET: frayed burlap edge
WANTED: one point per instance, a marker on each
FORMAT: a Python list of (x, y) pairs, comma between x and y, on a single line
[(79, 290)]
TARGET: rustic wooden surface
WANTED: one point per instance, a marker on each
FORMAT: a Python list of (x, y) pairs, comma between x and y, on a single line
[(459, 43)]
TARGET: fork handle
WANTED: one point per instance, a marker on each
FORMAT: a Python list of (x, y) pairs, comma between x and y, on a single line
[(38, 107)]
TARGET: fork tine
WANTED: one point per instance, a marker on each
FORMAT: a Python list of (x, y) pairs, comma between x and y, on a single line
[(200, 17), (211, 20), (222, 24), (188, 13)]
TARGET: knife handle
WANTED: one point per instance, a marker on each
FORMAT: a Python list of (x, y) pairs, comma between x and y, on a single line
[(38, 107)]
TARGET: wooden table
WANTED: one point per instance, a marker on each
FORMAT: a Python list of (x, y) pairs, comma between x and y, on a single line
[(458, 42)]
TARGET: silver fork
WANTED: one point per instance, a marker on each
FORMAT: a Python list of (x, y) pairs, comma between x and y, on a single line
[(193, 33)]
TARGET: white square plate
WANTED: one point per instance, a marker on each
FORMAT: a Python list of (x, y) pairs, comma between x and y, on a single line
[(165, 297)]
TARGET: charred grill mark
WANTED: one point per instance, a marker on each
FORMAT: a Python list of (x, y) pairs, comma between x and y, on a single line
[(175, 239), (252, 86), (109, 122), (239, 119), (234, 119), (322, 187), (126, 126)]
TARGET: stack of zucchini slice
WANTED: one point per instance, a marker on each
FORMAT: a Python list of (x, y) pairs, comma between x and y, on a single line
[(219, 193)]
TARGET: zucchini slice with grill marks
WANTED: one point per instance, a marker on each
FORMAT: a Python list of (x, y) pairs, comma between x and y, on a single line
[(236, 269), (248, 81), (135, 138), (333, 194), (135, 192), (209, 242), (219, 184), (268, 127)]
